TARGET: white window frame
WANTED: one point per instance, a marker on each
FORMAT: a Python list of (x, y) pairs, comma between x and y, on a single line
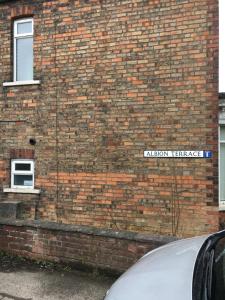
[(19, 36), (15, 172), (221, 203)]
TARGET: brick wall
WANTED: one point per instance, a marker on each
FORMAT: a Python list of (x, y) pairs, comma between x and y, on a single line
[(117, 78), (82, 246)]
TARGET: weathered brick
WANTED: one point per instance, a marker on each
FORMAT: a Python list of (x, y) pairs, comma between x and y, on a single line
[(117, 78)]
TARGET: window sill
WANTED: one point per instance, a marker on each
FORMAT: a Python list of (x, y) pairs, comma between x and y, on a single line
[(222, 208), (16, 83), (21, 190)]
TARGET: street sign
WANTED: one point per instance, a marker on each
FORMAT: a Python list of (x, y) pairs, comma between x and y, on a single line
[(177, 154)]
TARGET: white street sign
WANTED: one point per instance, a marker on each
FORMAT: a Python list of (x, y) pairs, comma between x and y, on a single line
[(178, 154)]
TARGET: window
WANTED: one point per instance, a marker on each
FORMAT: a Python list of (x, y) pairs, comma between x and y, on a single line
[(222, 166), (22, 173), (23, 50), (221, 46)]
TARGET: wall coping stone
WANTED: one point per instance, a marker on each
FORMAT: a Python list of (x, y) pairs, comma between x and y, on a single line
[(138, 237)]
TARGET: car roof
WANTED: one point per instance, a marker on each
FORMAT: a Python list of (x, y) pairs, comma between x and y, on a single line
[(164, 273)]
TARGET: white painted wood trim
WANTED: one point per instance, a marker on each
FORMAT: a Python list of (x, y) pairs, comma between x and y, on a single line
[(221, 202), (14, 172), (18, 36)]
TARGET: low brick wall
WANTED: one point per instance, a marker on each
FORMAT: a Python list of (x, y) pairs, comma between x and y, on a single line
[(84, 246)]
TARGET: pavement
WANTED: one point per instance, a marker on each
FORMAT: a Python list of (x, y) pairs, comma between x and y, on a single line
[(30, 282)]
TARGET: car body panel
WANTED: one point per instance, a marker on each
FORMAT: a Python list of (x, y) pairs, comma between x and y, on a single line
[(164, 273)]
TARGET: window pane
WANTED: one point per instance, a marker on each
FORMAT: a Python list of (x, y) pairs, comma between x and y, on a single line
[(23, 180), (222, 171), (24, 59), (24, 27), (222, 133), (22, 167)]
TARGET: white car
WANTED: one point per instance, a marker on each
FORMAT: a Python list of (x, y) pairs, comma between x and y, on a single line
[(190, 269)]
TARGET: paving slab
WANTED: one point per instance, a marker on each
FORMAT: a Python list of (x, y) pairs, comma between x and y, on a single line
[(31, 282), (44, 285)]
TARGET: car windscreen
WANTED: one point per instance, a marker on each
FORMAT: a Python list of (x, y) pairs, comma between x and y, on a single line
[(218, 288)]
